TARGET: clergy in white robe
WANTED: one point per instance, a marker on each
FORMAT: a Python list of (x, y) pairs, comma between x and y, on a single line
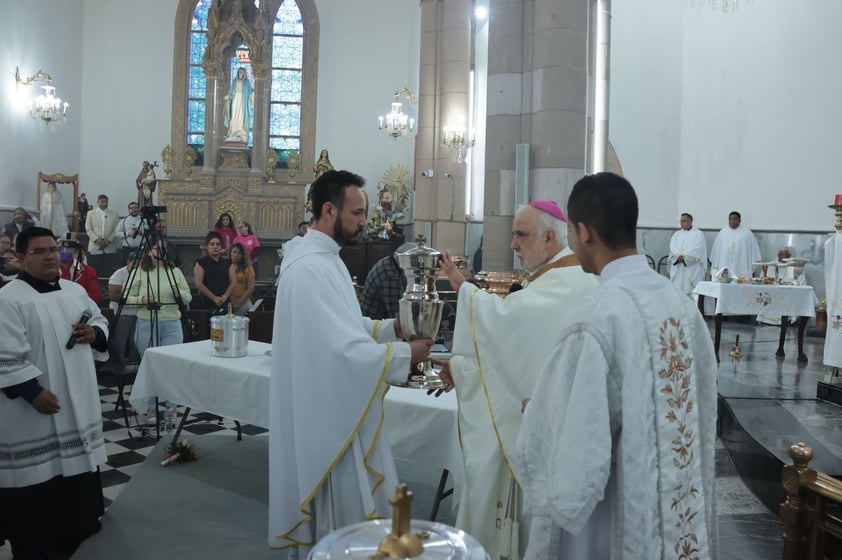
[(499, 346), (51, 441), (735, 247), (617, 443), (833, 285), (329, 462), (688, 255)]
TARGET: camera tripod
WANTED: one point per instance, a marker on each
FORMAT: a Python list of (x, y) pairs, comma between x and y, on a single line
[(150, 282)]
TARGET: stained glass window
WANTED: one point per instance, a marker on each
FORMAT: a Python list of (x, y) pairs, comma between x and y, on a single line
[(196, 88), (285, 93)]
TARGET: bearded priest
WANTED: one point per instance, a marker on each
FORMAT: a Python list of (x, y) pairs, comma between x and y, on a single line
[(329, 465)]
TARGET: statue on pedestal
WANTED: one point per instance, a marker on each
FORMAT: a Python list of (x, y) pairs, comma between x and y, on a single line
[(146, 183), (238, 108), (322, 166)]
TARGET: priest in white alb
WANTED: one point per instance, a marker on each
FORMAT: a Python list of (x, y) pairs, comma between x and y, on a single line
[(51, 442), (688, 255), (499, 346), (329, 462), (735, 247), (833, 285), (616, 448)]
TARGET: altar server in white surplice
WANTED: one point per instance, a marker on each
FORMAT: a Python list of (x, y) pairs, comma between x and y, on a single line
[(51, 442), (329, 462), (617, 443), (735, 247), (833, 285), (688, 255), (499, 346)]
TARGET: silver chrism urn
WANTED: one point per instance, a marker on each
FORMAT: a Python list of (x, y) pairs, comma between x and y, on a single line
[(420, 306)]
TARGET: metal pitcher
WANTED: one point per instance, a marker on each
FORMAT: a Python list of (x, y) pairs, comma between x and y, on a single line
[(420, 307)]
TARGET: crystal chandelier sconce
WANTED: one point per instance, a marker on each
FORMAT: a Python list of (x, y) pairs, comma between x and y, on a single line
[(397, 124), (46, 108), (460, 139), (49, 108)]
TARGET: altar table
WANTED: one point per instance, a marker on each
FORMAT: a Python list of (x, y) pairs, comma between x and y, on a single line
[(772, 300), (419, 427)]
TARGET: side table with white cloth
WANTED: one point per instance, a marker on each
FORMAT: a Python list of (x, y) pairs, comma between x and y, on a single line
[(766, 299), (420, 428)]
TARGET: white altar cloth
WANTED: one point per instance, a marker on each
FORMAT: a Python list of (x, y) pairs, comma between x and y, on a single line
[(756, 299), (420, 428)]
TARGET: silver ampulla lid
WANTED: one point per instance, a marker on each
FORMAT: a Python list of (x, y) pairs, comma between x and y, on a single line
[(418, 257)]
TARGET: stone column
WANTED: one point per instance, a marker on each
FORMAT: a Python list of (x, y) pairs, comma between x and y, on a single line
[(537, 95), (442, 101)]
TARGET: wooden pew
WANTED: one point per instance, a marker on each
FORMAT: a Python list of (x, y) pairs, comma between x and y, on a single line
[(812, 512)]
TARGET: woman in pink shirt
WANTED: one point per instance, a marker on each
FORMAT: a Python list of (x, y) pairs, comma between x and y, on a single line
[(248, 240), (225, 228)]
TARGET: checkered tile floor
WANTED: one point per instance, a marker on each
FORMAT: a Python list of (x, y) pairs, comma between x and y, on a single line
[(125, 453)]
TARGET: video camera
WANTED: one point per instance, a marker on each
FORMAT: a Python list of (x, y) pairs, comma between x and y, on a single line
[(151, 214), (70, 241)]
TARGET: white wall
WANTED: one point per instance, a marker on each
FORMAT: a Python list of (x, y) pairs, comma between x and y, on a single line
[(33, 42), (126, 106), (645, 104), (759, 110), (369, 49)]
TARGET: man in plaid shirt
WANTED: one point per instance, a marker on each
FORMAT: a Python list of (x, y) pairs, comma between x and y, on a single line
[(384, 287)]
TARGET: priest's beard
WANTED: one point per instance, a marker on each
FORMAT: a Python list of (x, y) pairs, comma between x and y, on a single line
[(344, 236)]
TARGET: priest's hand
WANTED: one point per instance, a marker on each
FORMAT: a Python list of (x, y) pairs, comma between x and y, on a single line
[(445, 376), (46, 402), (84, 333), (397, 325), (420, 349), (451, 270), (523, 404)]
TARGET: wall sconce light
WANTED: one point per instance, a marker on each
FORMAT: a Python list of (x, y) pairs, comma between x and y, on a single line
[(460, 139), (47, 108), (397, 124)]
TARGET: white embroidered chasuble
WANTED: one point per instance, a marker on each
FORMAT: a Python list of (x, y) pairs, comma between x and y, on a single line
[(499, 347), (328, 457), (34, 328), (735, 248), (691, 245), (833, 286), (617, 444)]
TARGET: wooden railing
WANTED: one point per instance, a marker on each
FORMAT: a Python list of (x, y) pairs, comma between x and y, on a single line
[(812, 512)]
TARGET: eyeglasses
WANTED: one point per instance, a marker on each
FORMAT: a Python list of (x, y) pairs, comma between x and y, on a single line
[(41, 251)]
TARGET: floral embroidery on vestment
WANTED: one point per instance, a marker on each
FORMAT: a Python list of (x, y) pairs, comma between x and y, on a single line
[(676, 377)]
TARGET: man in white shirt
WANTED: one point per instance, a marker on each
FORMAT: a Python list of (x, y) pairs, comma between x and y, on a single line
[(735, 247), (688, 255), (116, 285), (499, 347), (100, 225), (129, 233), (617, 444), (329, 463)]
